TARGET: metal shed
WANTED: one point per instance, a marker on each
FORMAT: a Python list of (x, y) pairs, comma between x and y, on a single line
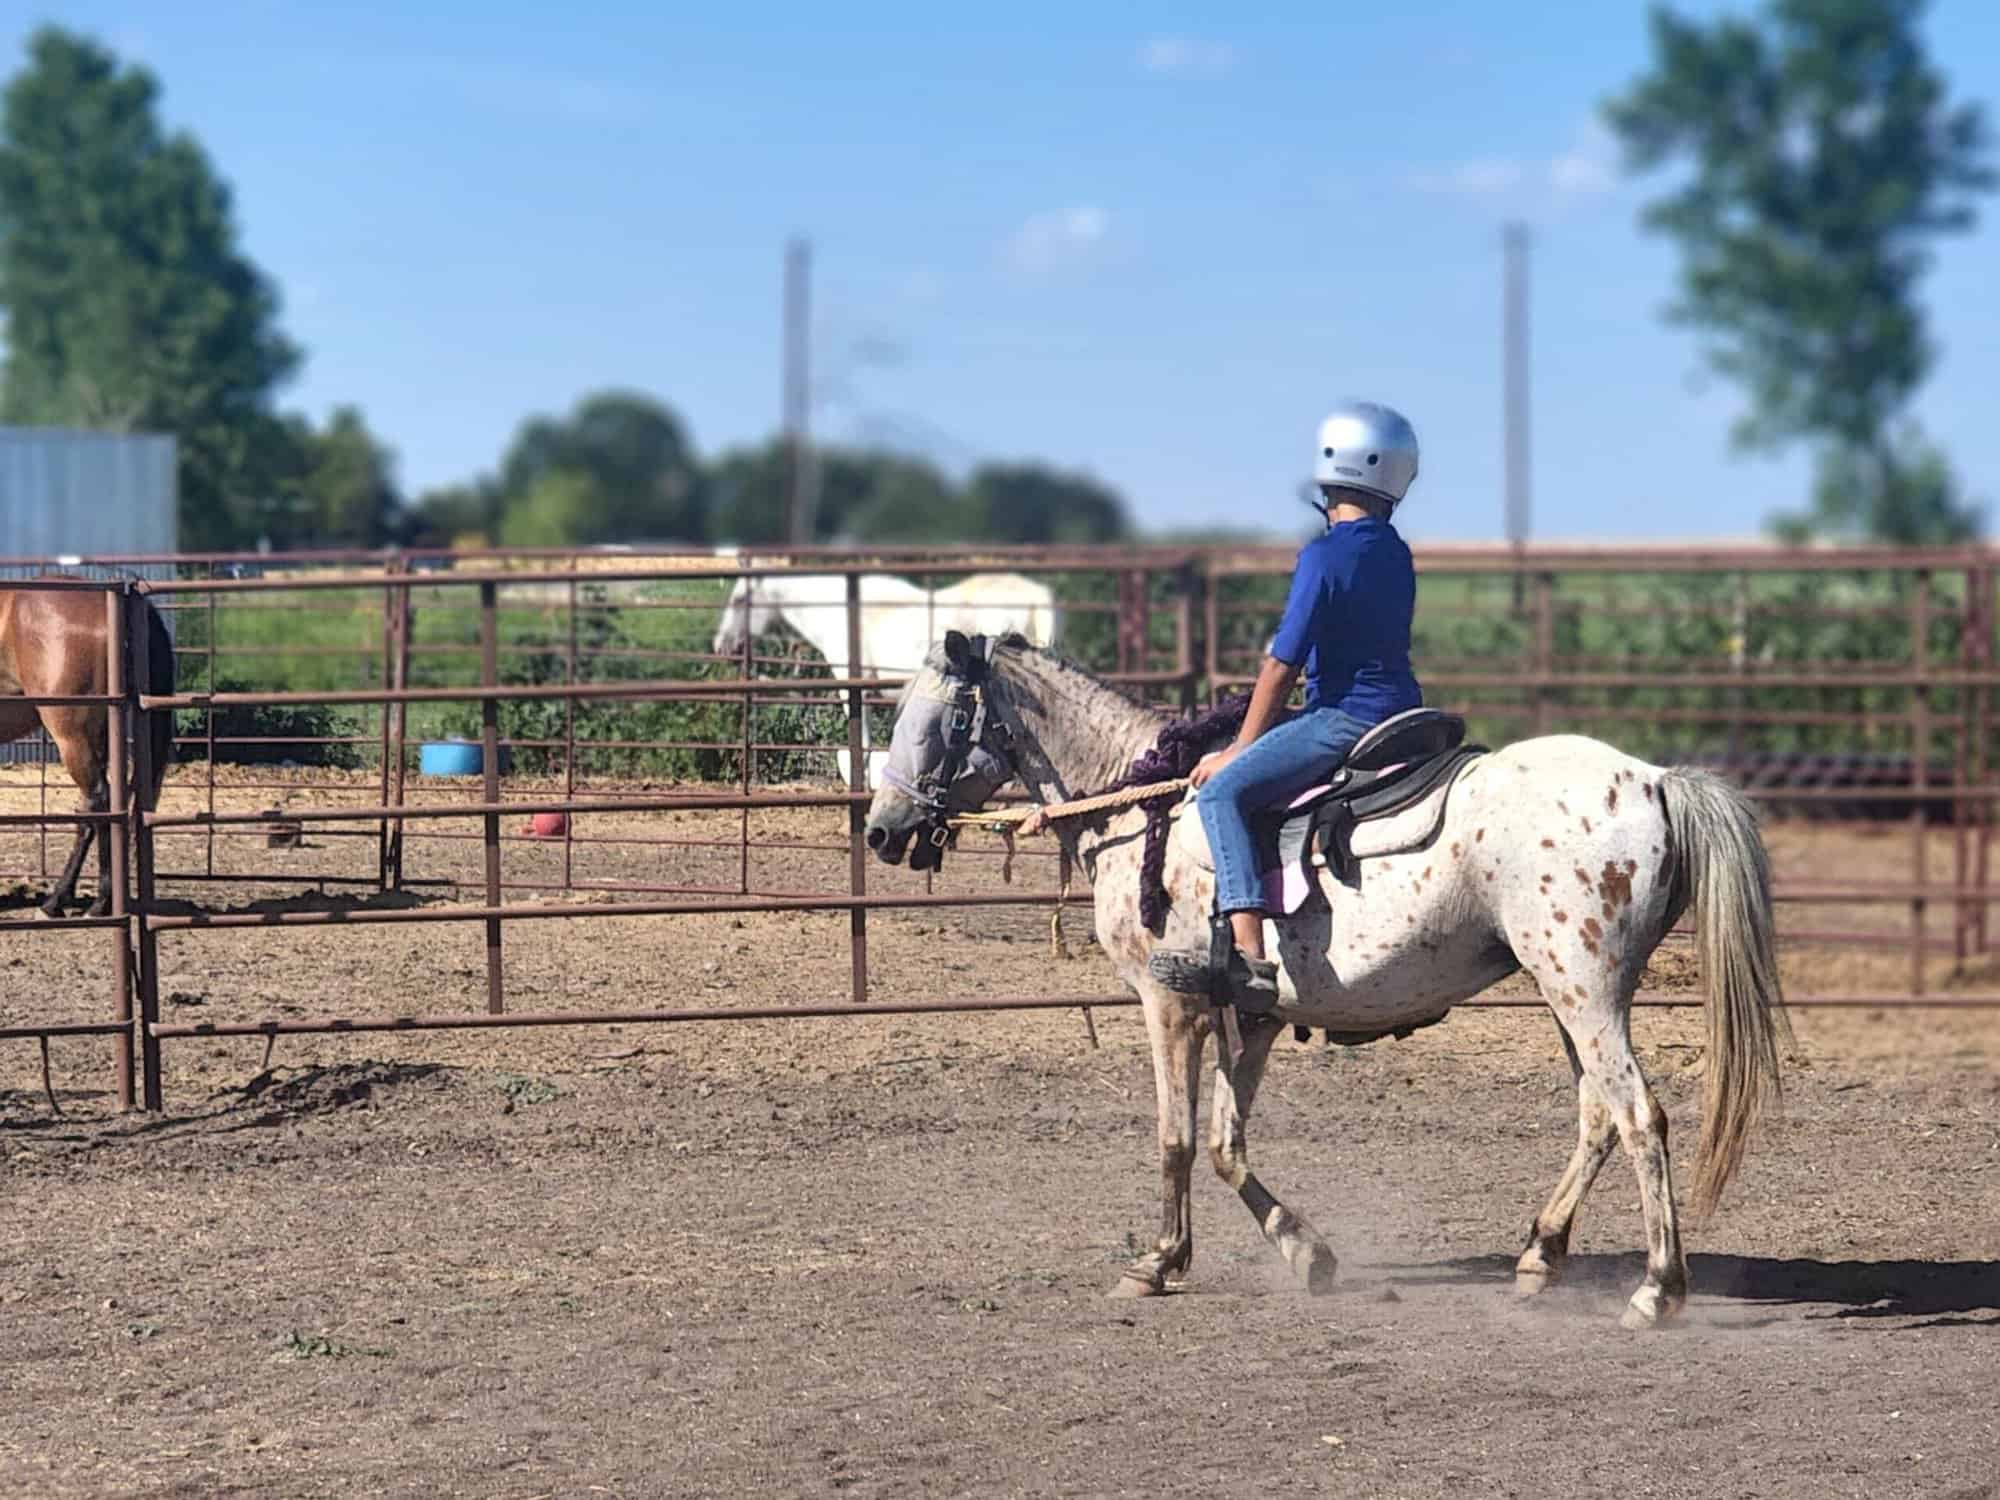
[(67, 495)]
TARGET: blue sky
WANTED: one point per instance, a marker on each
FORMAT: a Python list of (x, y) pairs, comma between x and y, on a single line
[(1149, 242)]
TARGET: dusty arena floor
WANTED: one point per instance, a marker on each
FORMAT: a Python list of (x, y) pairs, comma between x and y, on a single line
[(868, 1256)]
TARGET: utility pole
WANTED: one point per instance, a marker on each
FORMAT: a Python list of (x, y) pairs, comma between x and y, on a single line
[(802, 475), (1514, 387)]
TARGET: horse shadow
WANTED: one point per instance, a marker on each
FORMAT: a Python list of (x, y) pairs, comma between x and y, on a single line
[(1942, 1293)]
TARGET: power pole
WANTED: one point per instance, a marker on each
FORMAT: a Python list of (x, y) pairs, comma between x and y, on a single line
[(1514, 387), (802, 489)]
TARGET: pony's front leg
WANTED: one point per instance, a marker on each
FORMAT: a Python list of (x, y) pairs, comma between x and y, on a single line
[(1177, 1031), (1237, 1074)]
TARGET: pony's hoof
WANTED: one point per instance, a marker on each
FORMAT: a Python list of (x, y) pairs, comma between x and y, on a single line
[(1532, 1283), (1322, 1266), (1135, 1283), (1648, 1309)]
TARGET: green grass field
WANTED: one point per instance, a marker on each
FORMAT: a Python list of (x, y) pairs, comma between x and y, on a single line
[(1470, 632)]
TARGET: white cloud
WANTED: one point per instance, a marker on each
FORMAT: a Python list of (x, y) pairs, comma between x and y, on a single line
[(1185, 54), (1065, 237), (1590, 166)]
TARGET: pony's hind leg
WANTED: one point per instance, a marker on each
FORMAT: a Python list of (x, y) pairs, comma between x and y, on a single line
[(1237, 1075), (1541, 1263), (1611, 1069), (1177, 1032)]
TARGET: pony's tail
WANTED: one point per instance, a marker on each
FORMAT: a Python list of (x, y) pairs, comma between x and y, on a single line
[(1726, 876), (157, 724)]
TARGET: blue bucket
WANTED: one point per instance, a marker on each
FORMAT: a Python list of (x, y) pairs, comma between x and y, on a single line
[(453, 758)]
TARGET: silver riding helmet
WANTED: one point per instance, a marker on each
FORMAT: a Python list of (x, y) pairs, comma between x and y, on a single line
[(1366, 446)]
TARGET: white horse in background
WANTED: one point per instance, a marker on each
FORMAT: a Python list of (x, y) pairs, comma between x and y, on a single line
[(899, 621)]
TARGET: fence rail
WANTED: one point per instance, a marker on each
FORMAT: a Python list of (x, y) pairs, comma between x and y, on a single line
[(1171, 622)]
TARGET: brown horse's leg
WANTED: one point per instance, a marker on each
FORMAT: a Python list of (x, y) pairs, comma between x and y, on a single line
[(82, 757), (1177, 1029)]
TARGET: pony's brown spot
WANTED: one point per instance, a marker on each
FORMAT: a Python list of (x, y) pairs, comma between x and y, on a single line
[(1591, 934), (1586, 825), (1616, 886), (1583, 876), (1479, 837), (1562, 916), (1457, 851), (1611, 800), (1548, 843), (1556, 963), (1591, 1046), (1648, 790), (1563, 808), (1427, 872), (1489, 877)]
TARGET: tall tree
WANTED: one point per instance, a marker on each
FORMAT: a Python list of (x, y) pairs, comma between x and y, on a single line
[(348, 484), (128, 303), (642, 470), (1033, 503), (457, 515), (865, 494), (1823, 159)]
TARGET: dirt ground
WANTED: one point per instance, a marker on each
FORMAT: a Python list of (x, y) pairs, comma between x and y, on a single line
[(868, 1255)]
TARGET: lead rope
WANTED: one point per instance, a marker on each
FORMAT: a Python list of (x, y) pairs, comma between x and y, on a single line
[(1011, 823)]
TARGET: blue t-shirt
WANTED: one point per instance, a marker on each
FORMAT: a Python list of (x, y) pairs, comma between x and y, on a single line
[(1347, 621)]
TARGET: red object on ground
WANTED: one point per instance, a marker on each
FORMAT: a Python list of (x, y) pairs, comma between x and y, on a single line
[(548, 825)]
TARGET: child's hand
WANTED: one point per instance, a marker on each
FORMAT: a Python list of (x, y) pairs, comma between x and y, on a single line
[(1208, 765)]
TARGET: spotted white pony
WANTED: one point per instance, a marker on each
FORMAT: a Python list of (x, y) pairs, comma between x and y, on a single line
[(899, 620), (1558, 855)]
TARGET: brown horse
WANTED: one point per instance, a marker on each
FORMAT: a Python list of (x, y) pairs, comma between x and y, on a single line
[(52, 644)]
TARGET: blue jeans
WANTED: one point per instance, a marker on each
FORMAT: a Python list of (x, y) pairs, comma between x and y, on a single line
[(1285, 760)]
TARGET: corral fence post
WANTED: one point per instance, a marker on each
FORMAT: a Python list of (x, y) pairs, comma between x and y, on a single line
[(1545, 650), (1920, 754), (1187, 582), (1211, 624), (857, 778), (489, 741), (386, 837), (401, 617), (121, 720), (1979, 659), (144, 774)]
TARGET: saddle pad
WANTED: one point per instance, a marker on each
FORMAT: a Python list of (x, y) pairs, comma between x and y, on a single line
[(1286, 886)]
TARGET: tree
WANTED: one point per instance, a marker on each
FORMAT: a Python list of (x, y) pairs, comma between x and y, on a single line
[(865, 494), (1032, 503), (905, 500), (1824, 158), (562, 507), (348, 484), (457, 515), (128, 303), (647, 485)]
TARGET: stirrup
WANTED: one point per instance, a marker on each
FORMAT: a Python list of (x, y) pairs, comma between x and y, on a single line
[(1249, 985)]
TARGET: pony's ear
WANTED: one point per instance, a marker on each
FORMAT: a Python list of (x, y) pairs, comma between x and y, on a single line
[(957, 650)]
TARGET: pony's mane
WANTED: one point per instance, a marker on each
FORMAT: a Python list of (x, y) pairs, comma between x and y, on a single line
[(1016, 644)]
